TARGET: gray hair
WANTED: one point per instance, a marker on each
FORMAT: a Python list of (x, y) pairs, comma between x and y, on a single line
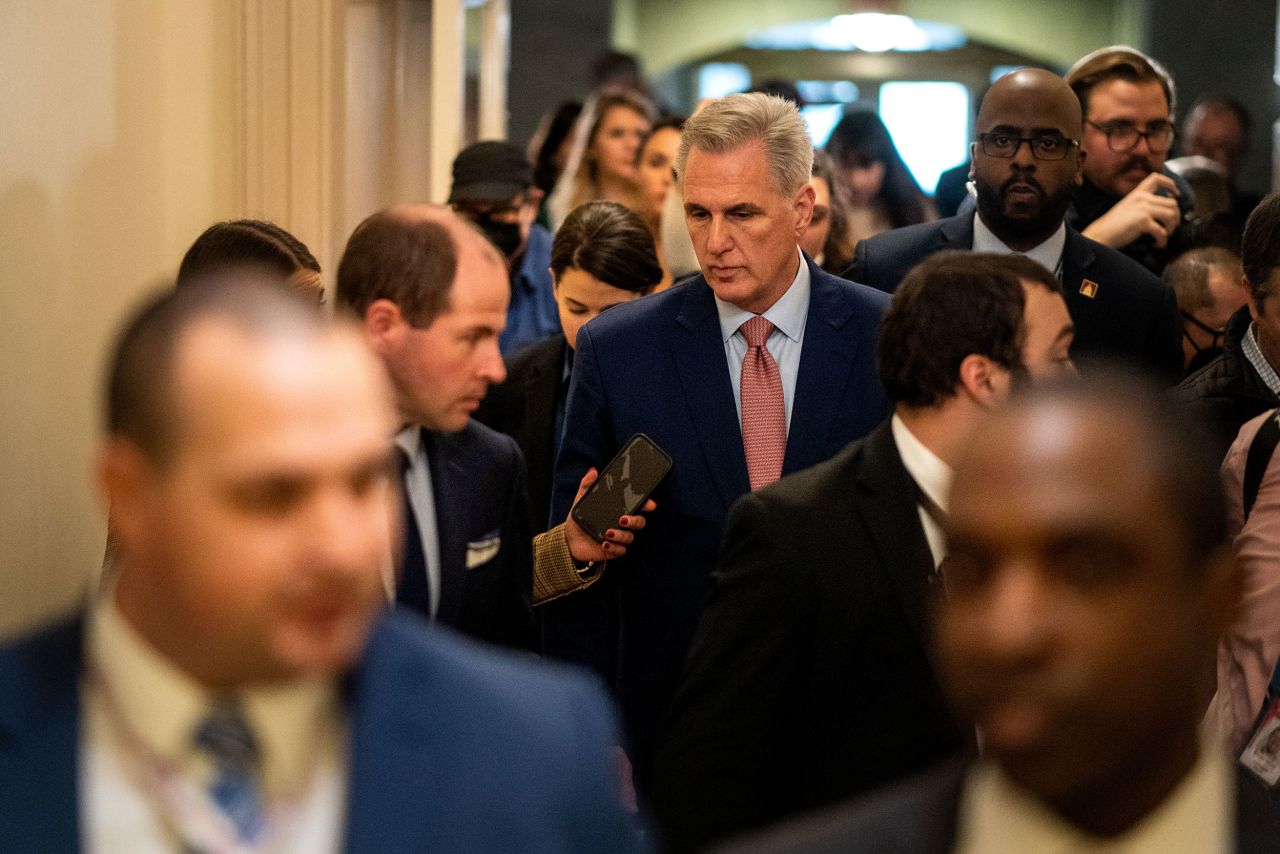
[(736, 120)]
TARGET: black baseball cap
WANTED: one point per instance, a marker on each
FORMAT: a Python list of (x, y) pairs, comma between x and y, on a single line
[(489, 172)]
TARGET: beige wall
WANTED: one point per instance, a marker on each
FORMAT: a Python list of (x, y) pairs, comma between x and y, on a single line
[(116, 150)]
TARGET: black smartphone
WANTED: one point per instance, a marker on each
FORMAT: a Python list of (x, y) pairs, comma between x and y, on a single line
[(623, 486)]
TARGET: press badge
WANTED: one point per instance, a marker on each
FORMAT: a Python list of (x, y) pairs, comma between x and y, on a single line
[(1262, 754)]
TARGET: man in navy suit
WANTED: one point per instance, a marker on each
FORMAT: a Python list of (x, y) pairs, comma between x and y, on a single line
[(1026, 164), (235, 687), (432, 296), (672, 366), (1088, 579)]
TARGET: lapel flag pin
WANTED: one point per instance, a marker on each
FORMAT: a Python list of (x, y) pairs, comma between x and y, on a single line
[(1089, 288)]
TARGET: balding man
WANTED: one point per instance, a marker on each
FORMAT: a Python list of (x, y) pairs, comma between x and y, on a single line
[(240, 685), (1026, 165), (1087, 581), (431, 294)]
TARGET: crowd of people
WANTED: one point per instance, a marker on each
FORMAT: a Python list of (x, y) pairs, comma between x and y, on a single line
[(968, 540)]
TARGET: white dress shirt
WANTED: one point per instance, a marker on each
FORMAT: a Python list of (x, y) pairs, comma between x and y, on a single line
[(1047, 254), (422, 498), (140, 711), (788, 316), (933, 476)]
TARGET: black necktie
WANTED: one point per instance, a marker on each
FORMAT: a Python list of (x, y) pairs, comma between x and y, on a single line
[(412, 588)]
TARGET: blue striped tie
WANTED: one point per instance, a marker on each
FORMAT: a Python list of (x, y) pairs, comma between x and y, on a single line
[(225, 736)]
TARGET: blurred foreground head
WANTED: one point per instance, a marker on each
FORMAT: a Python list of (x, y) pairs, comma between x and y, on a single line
[(247, 470), (1087, 583)]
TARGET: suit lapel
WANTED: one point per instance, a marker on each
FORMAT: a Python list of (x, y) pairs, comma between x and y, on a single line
[(956, 233), (698, 351), (895, 528), (39, 741), (448, 489)]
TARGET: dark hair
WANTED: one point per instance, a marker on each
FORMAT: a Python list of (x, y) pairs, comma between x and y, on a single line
[(663, 122), (553, 130), (951, 306), (1118, 62), (1177, 445), (139, 400), (861, 137), (784, 89), (613, 67), (610, 242), (245, 242), (837, 250), (1260, 246), (409, 262)]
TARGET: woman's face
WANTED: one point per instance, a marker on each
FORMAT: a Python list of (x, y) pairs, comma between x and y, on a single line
[(617, 141), (580, 296), (657, 159), (815, 236), (863, 179)]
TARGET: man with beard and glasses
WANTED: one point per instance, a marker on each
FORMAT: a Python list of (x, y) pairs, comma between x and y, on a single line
[(1128, 199), (1027, 163), (493, 189)]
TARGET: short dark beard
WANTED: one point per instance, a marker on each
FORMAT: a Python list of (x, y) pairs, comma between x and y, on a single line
[(1024, 232)]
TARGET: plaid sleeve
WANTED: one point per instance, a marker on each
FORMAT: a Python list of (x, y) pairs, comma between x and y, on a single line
[(554, 571)]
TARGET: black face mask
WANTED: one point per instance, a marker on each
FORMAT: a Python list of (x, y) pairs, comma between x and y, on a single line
[(1204, 355), (504, 235)]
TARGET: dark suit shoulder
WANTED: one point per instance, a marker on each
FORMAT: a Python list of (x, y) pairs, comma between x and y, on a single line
[(37, 669), (1119, 270), (916, 816), (478, 443), (882, 261), (525, 696), (545, 355)]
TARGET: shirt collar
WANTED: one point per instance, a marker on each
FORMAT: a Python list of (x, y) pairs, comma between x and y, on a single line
[(1252, 352), (788, 314), (409, 440), (162, 706), (1048, 254), (997, 817), (926, 468)]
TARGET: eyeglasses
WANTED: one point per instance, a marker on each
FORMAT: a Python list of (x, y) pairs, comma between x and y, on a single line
[(1044, 146), (1123, 137)]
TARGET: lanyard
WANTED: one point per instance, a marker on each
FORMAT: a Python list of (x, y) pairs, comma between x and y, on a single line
[(187, 812)]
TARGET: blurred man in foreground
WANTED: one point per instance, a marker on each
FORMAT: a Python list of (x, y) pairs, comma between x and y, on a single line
[(1087, 583), (238, 688)]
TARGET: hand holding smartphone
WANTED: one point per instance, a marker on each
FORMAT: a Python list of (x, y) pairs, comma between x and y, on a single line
[(622, 487)]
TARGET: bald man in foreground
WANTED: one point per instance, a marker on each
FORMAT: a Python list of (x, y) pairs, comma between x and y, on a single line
[(240, 685), (1027, 163), (1088, 579)]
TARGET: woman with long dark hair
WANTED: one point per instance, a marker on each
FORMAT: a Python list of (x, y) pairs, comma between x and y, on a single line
[(880, 188)]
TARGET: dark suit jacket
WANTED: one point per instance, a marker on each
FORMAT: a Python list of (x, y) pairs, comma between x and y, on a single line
[(657, 365), (524, 407), (809, 679), (921, 816), (1132, 318), (477, 477), (452, 749)]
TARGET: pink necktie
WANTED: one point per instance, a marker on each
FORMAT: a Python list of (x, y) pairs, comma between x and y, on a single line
[(764, 416)]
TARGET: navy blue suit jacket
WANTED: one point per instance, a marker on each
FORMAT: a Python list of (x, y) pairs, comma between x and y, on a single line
[(478, 481), (657, 365), (453, 748), (1133, 316)]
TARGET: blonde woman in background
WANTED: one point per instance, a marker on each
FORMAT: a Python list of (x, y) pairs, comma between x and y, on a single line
[(602, 163)]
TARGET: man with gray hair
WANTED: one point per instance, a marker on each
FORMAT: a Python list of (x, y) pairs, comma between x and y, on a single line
[(761, 366)]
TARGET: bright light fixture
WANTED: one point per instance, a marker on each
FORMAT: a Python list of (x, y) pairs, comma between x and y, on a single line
[(873, 32)]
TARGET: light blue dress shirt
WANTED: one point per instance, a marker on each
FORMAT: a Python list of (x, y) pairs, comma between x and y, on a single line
[(422, 499), (788, 316)]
